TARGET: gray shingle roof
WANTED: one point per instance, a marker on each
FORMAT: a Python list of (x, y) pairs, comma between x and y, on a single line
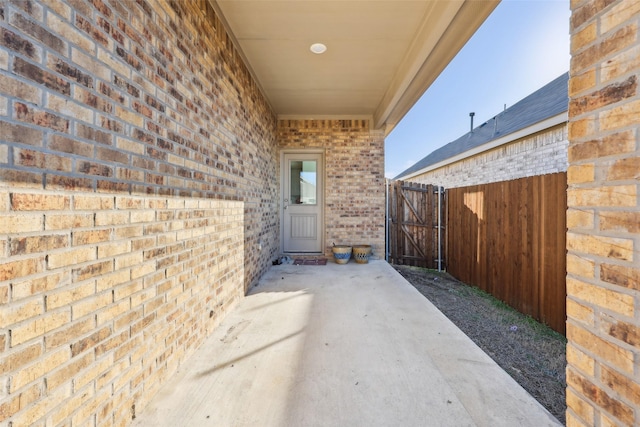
[(542, 104)]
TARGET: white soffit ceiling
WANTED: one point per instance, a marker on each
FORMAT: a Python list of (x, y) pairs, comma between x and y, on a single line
[(381, 55)]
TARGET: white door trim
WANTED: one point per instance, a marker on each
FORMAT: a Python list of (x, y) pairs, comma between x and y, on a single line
[(282, 191)]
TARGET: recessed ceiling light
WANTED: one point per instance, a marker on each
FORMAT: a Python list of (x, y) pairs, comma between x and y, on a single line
[(318, 48)]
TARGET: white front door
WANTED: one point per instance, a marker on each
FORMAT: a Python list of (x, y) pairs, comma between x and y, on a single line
[(302, 202)]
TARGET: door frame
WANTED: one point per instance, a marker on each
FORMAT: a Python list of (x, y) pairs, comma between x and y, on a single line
[(282, 191)]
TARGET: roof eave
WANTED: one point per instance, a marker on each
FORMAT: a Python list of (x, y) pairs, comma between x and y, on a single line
[(506, 139), (411, 83)]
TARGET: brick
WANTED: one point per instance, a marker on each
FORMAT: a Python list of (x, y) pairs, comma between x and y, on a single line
[(20, 268), (580, 266), (622, 142), (15, 403), (602, 297), (584, 37), (114, 64), (65, 221), (40, 118), (68, 295), (112, 311), (4, 60), (580, 360), (41, 160), (600, 348), (577, 174), (582, 408), (91, 236), (611, 94), (66, 183), (19, 89), (29, 6), (621, 64), (617, 15), (69, 71), (58, 7), (86, 132), (627, 114), (20, 45), (111, 218), (17, 312), (626, 276), (610, 195), (71, 257), (39, 33), (605, 46), (69, 333), (600, 246), (91, 305), (17, 359), (68, 33), (39, 408), (36, 286), (580, 128), (112, 249), (92, 270), (580, 313), (39, 326), (66, 372), (23, 223), (623, 169), (13, 132), (76, 401), (91, 341), (619, 329), (621, 385), (39, 202), (69, 108), (69, 145), (109, 281), (125, 321), (587, 388), (92, 372), (125, 291), (111, 343), (90, 202)]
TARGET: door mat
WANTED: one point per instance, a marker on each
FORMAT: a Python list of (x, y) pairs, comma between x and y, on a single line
[(316, 261)]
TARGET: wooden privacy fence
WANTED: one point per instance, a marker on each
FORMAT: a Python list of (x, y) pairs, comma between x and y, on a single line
[(508, 238), (415, 224)]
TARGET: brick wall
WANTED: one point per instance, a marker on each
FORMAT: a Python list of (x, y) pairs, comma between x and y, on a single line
[(539, 154), (355, 184), (138, 176), (603, 240)]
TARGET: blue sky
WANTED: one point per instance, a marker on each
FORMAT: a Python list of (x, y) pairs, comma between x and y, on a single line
[(523, 45)]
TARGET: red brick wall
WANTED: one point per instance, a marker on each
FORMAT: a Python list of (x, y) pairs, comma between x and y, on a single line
[(603, 217), (138, 173)]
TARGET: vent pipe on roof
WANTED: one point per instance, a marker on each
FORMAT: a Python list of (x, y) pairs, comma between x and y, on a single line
[(471, 115)]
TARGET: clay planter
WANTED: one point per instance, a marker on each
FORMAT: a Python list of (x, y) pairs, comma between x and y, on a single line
[(341, 253), (361, 253)]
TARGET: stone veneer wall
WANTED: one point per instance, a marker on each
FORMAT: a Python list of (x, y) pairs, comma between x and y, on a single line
[(603, 240), (539, 154), (138, 176), (354, 172)]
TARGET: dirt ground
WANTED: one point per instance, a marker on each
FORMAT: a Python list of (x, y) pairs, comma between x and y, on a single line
[(533, 354)]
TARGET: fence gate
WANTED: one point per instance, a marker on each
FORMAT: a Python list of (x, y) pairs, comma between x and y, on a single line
[(416, 224)]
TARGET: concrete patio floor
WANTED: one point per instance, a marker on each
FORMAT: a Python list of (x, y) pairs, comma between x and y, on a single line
[(340, 345)]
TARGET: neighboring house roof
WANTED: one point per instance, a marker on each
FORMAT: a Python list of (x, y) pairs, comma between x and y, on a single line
[(546, 106)]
